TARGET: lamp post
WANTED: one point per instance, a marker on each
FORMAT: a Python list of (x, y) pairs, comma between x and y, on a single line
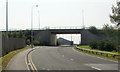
[(7, 18), (39, 19), (32, 24), (83, 19), (71, 40)]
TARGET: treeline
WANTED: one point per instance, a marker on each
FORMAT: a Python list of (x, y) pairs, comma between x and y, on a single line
[(25, 34)]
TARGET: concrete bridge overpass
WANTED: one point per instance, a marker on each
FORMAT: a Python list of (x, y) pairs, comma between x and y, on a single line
[(48, 36)]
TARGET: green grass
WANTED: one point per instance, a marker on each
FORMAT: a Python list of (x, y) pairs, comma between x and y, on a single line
[(6, 58), (88, 47)]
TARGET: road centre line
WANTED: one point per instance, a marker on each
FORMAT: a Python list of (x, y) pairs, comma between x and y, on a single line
[(71, 59), (63, 56)]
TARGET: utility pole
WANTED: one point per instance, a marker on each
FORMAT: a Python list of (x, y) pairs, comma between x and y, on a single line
[(83, 19), (39, 19), (32, 24), (71, 40), (7, 18)]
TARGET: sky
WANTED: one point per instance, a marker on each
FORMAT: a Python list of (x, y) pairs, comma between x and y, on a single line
[(55, 13)]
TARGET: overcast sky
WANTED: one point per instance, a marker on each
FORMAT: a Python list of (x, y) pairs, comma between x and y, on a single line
[(56, 13)]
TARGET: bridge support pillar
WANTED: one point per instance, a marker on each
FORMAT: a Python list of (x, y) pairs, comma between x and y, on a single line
[(53, 39)]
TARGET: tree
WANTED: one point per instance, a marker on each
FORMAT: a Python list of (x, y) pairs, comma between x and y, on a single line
[(93, 29), (109, 31), (115, 16)]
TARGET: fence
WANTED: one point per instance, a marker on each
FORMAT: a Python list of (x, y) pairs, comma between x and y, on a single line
[(10, 44), (115, 56)]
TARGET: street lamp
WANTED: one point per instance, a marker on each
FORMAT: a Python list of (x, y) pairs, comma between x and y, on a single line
[(83, 19), (7, 18), (71, 40), (39, 19), (32, 24)]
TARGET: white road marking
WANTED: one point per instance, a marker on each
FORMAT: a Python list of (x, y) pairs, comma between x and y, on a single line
[(71, 59), (48, 69), (95, 56), (95, 68)]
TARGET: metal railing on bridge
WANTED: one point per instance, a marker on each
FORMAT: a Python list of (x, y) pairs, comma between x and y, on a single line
[(48, 27)]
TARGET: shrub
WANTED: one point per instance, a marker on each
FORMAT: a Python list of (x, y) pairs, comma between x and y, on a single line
[(106, 45), (101, 45), (94, 45), (36, 42), (109, 46), (28, 42)]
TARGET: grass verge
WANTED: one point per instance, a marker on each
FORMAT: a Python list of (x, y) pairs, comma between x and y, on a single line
[(98, 54), (88, 47), (6, 58)]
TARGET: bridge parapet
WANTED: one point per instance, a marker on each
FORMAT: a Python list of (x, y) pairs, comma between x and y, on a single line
[(66, 27), (48, 27)]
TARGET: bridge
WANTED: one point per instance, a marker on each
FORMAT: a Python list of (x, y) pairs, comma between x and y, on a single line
[(48, 36)]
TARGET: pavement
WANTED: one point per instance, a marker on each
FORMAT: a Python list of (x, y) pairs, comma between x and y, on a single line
[(19, 62)]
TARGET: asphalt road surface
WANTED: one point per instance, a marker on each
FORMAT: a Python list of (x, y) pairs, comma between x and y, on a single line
[(66, 58), (63, 59)]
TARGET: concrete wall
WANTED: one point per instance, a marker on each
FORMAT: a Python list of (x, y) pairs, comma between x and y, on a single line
[(53, 39), (43, 36), (87, 37), (10, 44)]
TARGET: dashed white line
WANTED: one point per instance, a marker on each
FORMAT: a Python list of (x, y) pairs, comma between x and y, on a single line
[(48, 69), (63, 56), (95, 68), (71, 59)]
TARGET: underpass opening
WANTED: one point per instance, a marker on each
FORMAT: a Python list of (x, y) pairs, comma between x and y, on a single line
[(68, 39)]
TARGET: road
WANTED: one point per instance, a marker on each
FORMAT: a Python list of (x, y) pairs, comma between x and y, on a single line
[(61, 58), (66, 58)]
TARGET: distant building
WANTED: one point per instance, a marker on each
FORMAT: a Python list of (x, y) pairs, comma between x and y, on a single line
[(62, 41)]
